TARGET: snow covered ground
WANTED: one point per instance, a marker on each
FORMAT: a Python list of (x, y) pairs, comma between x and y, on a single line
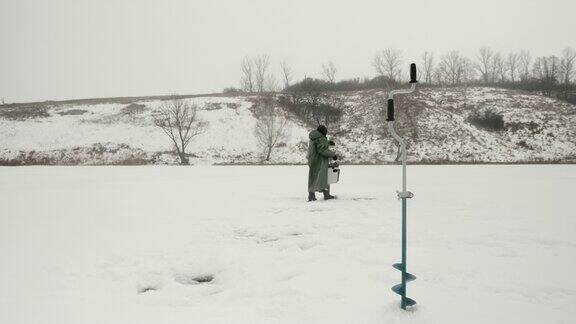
[(489, 244)]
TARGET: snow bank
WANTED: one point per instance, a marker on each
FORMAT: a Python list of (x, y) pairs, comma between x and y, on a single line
[(434, 121)]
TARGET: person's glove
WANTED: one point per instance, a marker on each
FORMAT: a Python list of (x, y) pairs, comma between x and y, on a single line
[(331, 143), (335, 157)]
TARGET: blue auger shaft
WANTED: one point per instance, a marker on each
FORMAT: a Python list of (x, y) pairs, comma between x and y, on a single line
[(403, 303)]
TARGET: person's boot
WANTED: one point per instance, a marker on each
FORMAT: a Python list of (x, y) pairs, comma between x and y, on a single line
[(327, 194), (311, 196)]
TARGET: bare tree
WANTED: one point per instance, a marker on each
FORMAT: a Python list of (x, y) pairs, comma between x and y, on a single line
[(261, 66), (451, 67), (512, 63), (270, 126), (567, 70), (286, 74), (387, 63), (546, 71), (498, 68), (329, 72), (270, 83), (247, 81), (438, 76), (538, 69), (179, 120), (428, 66), (485, 63), (467, 74), (467, 70), (442, 71), (524, 60)]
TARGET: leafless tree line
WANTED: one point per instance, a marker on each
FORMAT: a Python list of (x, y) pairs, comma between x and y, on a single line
[(388, 63), (494, 67), (256, 75), (452, 68), (488, 67)]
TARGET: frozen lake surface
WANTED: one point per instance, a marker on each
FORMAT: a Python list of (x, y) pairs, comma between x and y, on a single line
[(489, 244)]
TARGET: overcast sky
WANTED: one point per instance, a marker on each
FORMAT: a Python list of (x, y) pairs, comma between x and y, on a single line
[(65, 49)]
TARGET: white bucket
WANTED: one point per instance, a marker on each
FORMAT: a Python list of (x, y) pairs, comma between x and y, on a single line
[(333, 173)]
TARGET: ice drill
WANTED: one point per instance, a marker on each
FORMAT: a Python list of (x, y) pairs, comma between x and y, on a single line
[(400, 289)]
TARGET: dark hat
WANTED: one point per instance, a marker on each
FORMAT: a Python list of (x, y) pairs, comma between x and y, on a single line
[(322, 129)]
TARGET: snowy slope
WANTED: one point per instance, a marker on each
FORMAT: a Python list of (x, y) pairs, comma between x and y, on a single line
[(434, 122), (113, 134), (538, 129), (489, 244)]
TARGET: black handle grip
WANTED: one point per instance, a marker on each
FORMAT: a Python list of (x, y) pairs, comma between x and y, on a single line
[(390, 110), (413, 78)]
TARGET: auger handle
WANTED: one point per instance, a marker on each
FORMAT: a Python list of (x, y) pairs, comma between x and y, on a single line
[(390, 110), (413, 81), (413, 78)]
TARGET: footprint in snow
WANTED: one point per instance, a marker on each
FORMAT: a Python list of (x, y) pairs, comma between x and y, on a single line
[(144, 288), (149, 282), (187, 279)]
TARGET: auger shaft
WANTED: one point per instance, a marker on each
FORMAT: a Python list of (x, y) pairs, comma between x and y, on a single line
[(401, 288), (403, 302)]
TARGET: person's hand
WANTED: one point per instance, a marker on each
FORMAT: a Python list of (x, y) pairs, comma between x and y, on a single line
[(331, 143), (335, 157)]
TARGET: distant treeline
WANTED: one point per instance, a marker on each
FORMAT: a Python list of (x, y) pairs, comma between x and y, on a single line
[(552, 76)]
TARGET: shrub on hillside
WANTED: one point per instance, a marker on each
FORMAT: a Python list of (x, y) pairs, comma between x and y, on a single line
[(488, 119), (530, 126), (311, 110), (133, 108), (311, 85), (231, 90), (23, 113), (96, 154)]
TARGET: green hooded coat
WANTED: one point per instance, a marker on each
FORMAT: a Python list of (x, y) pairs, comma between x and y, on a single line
[(318, 155)]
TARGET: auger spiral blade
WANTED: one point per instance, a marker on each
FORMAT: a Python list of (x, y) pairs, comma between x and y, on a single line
[(409, 301), (400, 289), (409, 277)]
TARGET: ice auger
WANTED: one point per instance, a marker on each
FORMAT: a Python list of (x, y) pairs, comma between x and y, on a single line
[(400, 289)]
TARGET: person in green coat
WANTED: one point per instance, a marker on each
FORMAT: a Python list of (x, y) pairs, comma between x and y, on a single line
[(318, 158)]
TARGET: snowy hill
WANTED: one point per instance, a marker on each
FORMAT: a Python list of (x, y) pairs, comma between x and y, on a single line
[(435, 121)]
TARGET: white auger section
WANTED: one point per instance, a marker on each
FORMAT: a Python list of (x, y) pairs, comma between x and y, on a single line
[(402, 91), (401, 141)]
